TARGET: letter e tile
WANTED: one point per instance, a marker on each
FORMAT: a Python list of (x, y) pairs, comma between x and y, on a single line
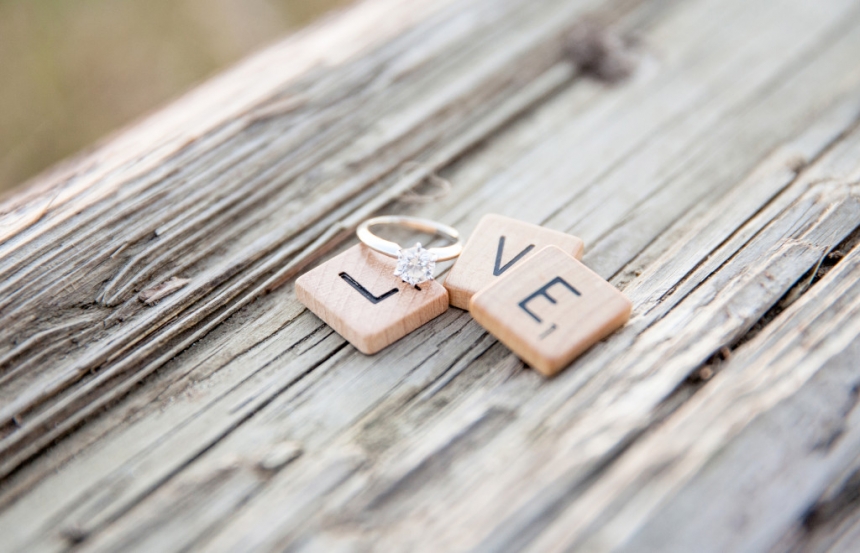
[(357, 294), (496, 246), (550, 309)]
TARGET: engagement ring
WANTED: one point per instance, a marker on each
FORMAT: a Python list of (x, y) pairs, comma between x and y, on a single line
[(417, 264)]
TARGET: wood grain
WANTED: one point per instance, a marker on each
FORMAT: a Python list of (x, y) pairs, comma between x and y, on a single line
[(716, 187)]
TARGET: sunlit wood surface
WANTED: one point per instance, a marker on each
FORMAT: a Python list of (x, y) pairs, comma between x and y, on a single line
[(163, 390)]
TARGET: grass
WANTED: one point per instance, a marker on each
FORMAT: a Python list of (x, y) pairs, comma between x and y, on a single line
[(70, 72)]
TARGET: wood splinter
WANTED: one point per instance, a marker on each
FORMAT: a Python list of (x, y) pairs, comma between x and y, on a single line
[(150, 296)]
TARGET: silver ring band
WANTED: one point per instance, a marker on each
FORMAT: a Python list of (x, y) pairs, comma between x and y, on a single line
[(393, 249)]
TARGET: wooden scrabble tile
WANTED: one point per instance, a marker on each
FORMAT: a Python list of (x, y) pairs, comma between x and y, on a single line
[(549, 309), (497, 245), (357, 294)]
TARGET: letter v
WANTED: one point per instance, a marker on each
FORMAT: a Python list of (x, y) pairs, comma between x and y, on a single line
[(499, 268)]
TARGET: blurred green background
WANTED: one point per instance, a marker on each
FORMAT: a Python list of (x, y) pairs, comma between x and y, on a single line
[(73, 70)]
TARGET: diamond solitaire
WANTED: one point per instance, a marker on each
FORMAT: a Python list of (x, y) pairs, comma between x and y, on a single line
[(415, 265)]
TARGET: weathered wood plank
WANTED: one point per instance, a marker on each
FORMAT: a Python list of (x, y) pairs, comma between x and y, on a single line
[(775, 473), (706, 186), (289, 178)]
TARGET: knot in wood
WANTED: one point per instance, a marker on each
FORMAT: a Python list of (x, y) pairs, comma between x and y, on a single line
[(600, 52)]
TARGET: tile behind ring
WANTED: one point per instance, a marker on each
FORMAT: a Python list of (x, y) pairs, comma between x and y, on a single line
[(498, 244)]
